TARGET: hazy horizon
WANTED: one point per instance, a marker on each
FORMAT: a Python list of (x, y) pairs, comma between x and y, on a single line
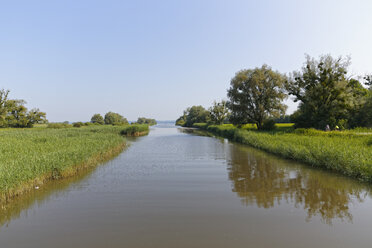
[(154, 59)]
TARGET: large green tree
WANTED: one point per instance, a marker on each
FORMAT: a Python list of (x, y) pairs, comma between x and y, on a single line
[(13, 113), (195, 114), (219, 112), (326, 95), (112, 118), (98, 119), (256, 95)]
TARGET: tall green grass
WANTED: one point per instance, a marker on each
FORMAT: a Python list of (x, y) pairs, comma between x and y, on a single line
[(29, 157), (349, 152), (135, 130)]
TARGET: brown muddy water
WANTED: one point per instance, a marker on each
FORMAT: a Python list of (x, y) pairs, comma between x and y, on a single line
[(174, 189)]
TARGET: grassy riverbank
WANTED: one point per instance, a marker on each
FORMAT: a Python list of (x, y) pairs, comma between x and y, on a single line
[(135, 130), (347, 152), (30, 157)]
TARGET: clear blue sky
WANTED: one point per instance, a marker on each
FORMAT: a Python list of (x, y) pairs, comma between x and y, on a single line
[(155, 58)]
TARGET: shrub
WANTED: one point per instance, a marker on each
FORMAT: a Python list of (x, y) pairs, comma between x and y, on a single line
[(268, 125), (135, 130), (59, 125), (78, 124)]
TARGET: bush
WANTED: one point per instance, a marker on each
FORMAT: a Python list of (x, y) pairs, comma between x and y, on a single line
[(59, 125), (268, 125), (78, 124), (200, 125), (135, 130)]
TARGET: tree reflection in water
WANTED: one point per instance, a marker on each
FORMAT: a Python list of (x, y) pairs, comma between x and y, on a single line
[(265, 181)]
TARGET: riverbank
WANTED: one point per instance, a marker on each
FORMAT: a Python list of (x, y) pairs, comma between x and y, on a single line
[(348, 153), (31, 157)]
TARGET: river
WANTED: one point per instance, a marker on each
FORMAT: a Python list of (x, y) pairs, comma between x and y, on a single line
[(176, 189)]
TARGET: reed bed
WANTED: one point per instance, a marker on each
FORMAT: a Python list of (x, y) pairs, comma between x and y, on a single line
[(347, 152), (135, 130), (30, 157)]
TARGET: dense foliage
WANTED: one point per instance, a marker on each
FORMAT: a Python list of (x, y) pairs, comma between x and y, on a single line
[(328, 98), (112, 118), (326, 95), (148, 121), (13, 113), (192, 115), (255, 95), (219, 112), (97, 118), (135, 130)]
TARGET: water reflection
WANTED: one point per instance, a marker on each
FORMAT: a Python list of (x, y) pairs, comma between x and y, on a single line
[(265, 181), (18, 206)]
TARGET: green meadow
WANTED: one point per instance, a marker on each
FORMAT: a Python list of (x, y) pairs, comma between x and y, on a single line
[(347, 152), (31, 157)]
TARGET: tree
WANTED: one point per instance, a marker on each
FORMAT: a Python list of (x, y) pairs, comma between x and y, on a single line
[(35, 116), (326, 96), (13, 113), (219, 112), (195, 114), (255, 95), (115, 119), (97, 118), (3, 111), (143, 120), (365, 113)]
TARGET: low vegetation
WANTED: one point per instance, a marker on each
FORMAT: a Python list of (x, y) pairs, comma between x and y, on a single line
[(135, 130), (347, 152), (30, 157)]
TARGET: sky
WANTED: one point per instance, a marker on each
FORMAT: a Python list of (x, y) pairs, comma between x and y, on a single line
[(73, 59)]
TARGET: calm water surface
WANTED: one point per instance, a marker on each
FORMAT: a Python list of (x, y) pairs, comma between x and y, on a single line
[(174, 189)]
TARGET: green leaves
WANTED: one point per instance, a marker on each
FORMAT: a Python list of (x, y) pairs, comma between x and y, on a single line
[(255, 95)]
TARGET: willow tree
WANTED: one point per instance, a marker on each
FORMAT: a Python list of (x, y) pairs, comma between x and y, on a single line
[(219, 112), (326, 95), (256, 95)]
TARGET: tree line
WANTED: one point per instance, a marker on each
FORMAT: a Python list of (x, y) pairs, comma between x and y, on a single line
[(13, 113), (112, 118), (327, 96)]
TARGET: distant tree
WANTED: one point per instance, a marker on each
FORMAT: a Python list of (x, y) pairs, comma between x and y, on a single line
[(195, 114), (357, 102), (326, 96), (13, 113), (283, 119), (17, 113), (255, 95), (219, 112), (365, 112), (97, 118), (115, 119), (182, 119), (143, 120), (3, 111), (35, 116)]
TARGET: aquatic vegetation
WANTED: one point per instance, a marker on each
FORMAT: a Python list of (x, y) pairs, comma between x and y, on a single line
[(30, 157), (135, 130), (346, 152)]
